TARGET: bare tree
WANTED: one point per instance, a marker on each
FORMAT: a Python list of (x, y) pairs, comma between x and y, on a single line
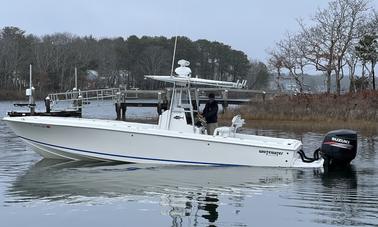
[(351, 19), (43, 60), (335, 31), (14, 56), (320, 49), (154, 60), (367, 51), (275, 64), (292, 51), (367, 47), (351, 60), (258, 75)]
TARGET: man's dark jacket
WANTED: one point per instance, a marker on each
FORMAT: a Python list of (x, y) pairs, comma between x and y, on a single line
[(211, 112)]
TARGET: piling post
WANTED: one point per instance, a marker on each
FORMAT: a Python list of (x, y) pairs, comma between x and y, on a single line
[(159, 105), (123, 106), (118, 105), (225, 102), (48, 104), (31, 92), (263, 96), (75, 97), (80, 104)]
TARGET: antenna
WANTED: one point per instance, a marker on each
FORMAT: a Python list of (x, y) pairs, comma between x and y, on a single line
[(174, 55), (30, 77), (75, 77)]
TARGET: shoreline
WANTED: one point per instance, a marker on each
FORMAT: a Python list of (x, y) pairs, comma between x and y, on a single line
[(363, 127), (320, 112), (367, 128)]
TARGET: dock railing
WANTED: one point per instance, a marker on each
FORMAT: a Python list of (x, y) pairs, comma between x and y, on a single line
[(122, 97), (86, 95)]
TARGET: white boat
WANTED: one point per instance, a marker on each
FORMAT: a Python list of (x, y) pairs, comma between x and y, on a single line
[(172, 141)]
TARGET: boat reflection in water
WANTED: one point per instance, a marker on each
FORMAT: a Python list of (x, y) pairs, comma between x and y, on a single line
[(203, 196), (335, 198), (340, 177), (181, 191)]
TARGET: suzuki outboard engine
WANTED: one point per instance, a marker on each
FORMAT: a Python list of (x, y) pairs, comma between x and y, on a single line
[(339, 147)]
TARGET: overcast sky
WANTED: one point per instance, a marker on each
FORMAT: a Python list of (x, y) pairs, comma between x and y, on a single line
[(251, 26)]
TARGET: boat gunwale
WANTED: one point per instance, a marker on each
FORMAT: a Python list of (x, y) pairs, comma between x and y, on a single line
[(170, 134)]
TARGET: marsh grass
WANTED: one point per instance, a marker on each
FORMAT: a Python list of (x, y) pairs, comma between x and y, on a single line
[(357, 111)]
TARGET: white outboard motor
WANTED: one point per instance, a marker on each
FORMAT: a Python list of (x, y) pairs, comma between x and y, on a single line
[(339, 147)]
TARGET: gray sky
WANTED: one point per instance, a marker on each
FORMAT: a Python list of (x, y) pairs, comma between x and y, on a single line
[(248, 25)]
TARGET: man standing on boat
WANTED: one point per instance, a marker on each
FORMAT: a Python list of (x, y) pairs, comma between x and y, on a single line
[(210, 112)]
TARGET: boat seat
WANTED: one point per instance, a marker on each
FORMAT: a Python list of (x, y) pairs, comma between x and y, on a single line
[(237, 122), (222, 131)]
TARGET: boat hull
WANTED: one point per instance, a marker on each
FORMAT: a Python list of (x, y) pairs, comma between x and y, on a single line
[(79, 139)]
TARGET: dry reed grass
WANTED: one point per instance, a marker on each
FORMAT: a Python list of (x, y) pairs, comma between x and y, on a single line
[(358, 111)]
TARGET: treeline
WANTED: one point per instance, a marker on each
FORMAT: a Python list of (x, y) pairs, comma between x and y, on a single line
[(111, 62), (341, 40)]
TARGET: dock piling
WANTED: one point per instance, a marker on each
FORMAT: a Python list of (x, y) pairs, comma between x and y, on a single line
[(48, 104), (225, 100), (31, 92), (117, 105)]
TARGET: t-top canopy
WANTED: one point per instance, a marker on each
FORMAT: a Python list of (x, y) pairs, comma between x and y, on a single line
[(183, 78)]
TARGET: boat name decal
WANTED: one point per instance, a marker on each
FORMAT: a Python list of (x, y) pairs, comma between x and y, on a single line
[(340, 140), (178, 117), (266, 152)]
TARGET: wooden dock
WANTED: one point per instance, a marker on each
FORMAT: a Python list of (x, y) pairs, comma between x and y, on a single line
[(124, 98), (159, 99), (155, 102)]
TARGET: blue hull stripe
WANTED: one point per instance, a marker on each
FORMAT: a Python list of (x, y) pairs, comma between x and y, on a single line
[(131, 157)]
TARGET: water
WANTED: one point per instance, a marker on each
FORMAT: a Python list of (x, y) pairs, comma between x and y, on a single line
[(35, 192)]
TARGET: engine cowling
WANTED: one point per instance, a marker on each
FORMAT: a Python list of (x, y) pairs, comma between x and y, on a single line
[(339, 147)]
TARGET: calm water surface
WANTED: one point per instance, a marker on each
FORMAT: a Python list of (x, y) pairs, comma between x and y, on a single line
[(36, 192)]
